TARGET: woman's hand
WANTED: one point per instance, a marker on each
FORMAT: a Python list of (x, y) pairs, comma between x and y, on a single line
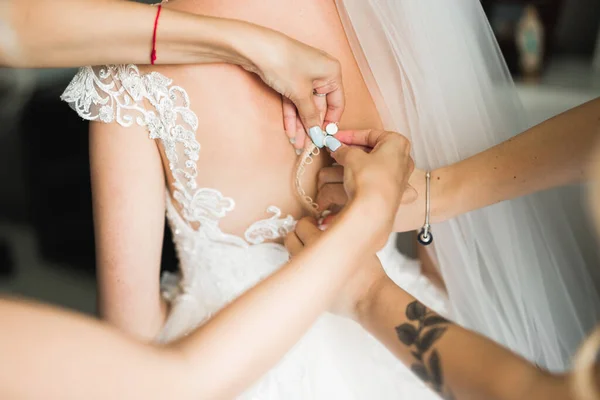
[(298, 71), (331, 196), (379, 177), (29, 39), (358, 289)]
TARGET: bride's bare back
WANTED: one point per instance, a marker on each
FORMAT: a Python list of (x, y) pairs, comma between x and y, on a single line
[(244, 155)]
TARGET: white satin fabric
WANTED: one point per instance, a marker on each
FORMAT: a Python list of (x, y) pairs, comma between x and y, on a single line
[(513, 271)]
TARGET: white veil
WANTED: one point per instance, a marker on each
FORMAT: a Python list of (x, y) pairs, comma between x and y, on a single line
[(513, 271)]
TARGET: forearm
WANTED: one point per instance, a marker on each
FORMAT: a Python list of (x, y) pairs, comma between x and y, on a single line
[(69, 33), (218, 360), (468, 365), (52, 354), (551, 154), (253, 333)]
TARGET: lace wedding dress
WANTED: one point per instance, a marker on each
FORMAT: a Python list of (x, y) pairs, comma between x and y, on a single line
[(336, 358)]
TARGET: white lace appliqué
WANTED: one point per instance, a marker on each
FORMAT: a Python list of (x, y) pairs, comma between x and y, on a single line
[(272, 228), (120, 93)]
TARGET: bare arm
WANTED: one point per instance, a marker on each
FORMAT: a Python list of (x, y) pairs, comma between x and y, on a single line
[(72, 33), (68, 33), (219, 360), (64, 354), (128, 197), (53, 354), (452, 360), (551, 154)]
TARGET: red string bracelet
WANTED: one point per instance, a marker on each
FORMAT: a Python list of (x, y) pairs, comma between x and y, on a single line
[(153, 53)]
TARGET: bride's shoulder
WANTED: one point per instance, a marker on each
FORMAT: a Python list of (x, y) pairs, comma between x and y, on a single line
[(94, 91), (111, 93)]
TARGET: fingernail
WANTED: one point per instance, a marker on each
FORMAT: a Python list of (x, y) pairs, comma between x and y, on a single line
[(317, 136), (322, 227), (331, 128), (325, 214), (293, 140), (298, 151), (332, 143)]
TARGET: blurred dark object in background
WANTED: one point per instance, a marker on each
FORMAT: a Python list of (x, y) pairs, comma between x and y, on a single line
[(45, 177), (6, 261), (57, 177), (504, 16), (571, 27)]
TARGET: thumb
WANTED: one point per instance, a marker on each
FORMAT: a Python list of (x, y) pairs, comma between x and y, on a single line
[(366, 137), (342, 155), (308, 112)]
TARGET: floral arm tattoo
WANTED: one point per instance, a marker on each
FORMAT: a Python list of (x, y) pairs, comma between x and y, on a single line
[(420, 335)]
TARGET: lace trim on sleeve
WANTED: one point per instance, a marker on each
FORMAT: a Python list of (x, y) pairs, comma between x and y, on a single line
[(121, 94)]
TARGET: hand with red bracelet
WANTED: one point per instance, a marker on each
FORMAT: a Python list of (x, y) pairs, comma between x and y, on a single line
[(143, 34)]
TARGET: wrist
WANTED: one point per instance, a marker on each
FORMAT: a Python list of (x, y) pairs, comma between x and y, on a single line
[(235, 41), (376, 214), (361, 223), (445, 194), (245, 42), (444, 198), (256, 47), (185, 38)]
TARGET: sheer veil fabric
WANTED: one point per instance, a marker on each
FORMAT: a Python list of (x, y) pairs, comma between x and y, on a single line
[(513, 271)]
